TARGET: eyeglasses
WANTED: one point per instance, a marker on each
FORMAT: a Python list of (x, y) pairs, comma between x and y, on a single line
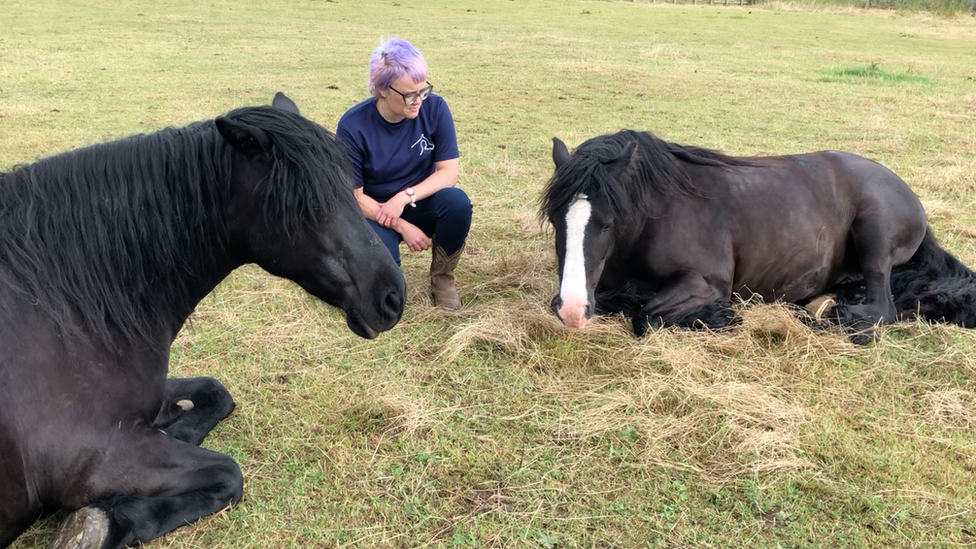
[(412, 97)]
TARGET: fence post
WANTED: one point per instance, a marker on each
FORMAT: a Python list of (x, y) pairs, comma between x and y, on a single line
[(867, 4), (972, 4)]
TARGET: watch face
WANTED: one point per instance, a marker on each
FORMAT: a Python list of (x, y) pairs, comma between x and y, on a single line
[(410, 191)]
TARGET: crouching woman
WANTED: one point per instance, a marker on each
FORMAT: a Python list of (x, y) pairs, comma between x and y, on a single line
[(404, 154)]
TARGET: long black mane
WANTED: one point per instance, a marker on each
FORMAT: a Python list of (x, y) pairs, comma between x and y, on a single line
[(654, 170), (114, 234)]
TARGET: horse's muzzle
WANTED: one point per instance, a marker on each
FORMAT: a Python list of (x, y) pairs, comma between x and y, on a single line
[(572, 316)]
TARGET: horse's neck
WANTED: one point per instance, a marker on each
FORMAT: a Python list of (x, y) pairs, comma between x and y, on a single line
[(195, 288)]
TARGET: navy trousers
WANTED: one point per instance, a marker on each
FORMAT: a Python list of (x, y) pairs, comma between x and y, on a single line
[(445, 215)]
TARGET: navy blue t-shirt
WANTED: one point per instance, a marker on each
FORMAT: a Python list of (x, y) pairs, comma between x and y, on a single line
[(387, 158)]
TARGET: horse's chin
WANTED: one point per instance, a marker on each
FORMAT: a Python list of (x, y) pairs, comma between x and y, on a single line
[(359, 327), (362, 327), (384, 317)]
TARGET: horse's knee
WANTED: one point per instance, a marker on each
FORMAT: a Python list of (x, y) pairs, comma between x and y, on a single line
[(203, 396), (192, 407), (225, 482), (212, 395), (234, 483), (127, 519)]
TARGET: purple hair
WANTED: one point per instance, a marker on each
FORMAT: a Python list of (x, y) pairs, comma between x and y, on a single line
[(392, 59)]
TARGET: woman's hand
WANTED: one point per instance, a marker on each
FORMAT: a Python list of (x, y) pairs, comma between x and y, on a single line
[(416, 240), (391, 210)]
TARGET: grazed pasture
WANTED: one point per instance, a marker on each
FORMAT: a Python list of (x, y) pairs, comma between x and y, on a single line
[(496, 427)]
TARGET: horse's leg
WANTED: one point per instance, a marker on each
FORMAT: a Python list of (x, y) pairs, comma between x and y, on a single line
[(874, 252), (715, 315), (17, 510), (159, 483), (681, 295), (19, 507), (192, 407)]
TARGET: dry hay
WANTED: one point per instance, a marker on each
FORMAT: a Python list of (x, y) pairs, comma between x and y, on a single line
[(721, 404), (950, 408)]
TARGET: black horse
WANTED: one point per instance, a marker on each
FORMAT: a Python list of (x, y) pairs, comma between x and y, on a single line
[(104, 253), (667, 233)]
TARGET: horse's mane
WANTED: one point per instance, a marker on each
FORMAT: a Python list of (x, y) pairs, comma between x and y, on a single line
[(114, 234), (655, 169), (311, 168)]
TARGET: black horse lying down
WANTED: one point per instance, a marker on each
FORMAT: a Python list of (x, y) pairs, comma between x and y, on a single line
[(667, 234), (104, 253)]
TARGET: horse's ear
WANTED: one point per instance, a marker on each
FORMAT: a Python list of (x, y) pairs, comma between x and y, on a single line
[(281, 101), (619, 164), (560, 154), (246, 139)]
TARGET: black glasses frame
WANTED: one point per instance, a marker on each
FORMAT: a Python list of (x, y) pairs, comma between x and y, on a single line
[(410, 98)]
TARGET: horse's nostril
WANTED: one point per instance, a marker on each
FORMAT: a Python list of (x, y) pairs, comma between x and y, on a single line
[(393, 303), (555, 304)]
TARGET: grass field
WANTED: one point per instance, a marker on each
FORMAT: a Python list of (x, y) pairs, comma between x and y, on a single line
[(495, 426)]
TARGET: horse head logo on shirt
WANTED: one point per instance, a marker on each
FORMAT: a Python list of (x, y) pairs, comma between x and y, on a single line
[(425, 144)]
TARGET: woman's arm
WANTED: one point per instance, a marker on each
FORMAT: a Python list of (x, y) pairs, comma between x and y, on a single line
[(367, 204), (445, 175), (415, 239)]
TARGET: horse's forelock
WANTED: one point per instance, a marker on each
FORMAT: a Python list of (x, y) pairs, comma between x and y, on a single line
[(584, 173)]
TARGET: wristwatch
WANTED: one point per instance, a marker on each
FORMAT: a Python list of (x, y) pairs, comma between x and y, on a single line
[(411, 193)]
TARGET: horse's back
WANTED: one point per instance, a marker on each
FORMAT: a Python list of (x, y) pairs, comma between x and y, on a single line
[(790, 219)]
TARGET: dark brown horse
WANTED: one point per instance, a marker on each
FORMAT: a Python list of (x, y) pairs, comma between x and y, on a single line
[(104, 253), (668, 233)]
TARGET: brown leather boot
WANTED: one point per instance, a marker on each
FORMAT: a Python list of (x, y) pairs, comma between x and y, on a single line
[(442, 278)]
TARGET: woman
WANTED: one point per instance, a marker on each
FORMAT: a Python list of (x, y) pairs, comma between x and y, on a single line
[(405, 160)]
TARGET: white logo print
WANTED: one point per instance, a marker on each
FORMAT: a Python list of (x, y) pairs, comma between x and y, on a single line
[(425, 144)]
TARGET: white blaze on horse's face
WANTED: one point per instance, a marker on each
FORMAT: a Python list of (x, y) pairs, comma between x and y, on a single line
[(572, 290)]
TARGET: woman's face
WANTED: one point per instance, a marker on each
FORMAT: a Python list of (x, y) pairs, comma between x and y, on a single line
[(402, 92)]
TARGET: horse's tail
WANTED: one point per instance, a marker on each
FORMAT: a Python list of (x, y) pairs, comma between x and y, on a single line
[(935, 286)]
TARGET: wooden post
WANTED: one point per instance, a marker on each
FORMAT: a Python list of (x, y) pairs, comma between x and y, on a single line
[(867, 4)]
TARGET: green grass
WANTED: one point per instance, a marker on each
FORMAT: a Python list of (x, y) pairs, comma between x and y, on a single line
[(871, 73), (497, 427)]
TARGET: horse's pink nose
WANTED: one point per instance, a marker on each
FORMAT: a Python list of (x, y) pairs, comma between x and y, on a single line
[(573, 315)]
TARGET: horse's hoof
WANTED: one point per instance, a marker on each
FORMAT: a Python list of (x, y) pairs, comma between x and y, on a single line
[(640, 325), (86, 528)]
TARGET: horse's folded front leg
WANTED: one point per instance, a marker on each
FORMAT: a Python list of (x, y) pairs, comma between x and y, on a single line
[(683, 301), (192, 407), (152, 485)]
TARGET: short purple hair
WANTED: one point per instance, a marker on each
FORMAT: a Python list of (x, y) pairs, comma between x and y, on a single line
[(391, 60)]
